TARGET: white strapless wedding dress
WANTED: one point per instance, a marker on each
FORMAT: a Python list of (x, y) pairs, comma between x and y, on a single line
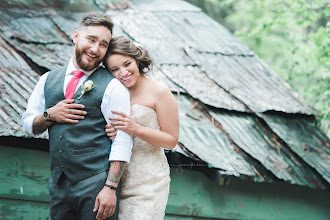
[(146, 179)]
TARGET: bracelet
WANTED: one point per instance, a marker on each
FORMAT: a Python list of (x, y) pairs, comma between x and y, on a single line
[(110, 186)]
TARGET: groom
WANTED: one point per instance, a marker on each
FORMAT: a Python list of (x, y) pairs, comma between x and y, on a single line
[(84, 174)]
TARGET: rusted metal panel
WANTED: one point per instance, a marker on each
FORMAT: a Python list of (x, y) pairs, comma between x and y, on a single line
[(158, 75), (146, 29), (199, 31), (199, 86), (252, 82), (49, 56), (31, 28), (68, 22), (160, 5), (37, 36), (17, 81), (304, 138), (207, 142), (260, 143)]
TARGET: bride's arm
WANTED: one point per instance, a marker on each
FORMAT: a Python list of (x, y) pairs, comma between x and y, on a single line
[(168, 119)]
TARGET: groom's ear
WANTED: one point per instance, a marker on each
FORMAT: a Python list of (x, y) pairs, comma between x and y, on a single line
[(75, 36)]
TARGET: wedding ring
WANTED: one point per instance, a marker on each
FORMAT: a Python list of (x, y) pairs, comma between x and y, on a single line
[(70, 111), (106, 211)]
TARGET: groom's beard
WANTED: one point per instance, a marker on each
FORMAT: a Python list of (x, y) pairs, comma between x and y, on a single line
[(87, 66)]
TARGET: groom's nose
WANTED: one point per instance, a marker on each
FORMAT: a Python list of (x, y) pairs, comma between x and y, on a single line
[(95, 47)]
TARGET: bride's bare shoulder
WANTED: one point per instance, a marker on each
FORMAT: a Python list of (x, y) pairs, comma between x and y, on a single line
[(158, 87)]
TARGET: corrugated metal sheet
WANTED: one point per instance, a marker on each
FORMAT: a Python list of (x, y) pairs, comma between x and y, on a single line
[(49, 56), (156, 74), (197, 30), (199, 86), (160, 5), (250, 136), (70, 22), (208, 142), (161, 42), (249, 80), (304, 138), (35, 29), (17, 81), (37, 37), (67, 23)]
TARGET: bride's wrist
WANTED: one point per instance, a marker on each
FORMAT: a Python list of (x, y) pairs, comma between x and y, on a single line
[(138, 130)]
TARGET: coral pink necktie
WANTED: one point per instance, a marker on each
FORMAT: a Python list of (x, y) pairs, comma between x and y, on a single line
[(71, 87)]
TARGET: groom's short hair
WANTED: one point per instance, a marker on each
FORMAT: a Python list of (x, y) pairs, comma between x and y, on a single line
[(96, 18)]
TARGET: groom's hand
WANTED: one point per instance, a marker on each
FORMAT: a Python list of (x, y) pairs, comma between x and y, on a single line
[(105, 203), (67, 112)]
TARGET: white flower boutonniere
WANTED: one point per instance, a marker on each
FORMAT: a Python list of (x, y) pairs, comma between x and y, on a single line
[(86, 87)]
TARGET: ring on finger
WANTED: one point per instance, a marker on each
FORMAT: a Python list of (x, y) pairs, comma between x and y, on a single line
[(70, 111)]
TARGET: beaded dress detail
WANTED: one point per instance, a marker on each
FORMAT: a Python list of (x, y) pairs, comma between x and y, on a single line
[(146, 179)]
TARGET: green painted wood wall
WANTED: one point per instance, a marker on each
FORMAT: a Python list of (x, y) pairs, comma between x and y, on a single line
[(24, 178)]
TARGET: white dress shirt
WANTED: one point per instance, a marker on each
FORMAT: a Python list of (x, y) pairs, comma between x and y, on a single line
[(116, 97)]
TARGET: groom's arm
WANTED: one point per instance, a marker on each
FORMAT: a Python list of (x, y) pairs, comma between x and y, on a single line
[(32, 121), (63, 112), (106, 200), (116, 97), (115, 172)]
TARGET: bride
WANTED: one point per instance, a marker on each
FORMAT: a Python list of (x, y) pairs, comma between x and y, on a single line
[(154, 125)]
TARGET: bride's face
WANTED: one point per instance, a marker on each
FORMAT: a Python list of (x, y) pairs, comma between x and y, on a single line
[(124, 68)]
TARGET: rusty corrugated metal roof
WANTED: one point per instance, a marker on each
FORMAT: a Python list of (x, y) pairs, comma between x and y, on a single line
[(160, 76), (160, 41), (49, 56), (169, 36), (17, 81), (199, 31), (251, 136), (304, 138), (208, 142), (251, 81), (199, 86), (160, 5), (30, 27), (195, 57)]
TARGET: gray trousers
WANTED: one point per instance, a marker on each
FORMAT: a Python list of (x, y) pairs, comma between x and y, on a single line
[(76, 201)]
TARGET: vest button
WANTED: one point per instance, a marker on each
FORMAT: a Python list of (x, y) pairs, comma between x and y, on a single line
[(61, 137), (61, 151), (62, 166)]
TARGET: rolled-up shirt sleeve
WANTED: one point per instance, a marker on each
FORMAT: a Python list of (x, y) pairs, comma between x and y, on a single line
[(117, 98), (35, 106)]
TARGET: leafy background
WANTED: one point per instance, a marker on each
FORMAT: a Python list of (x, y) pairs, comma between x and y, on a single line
[(291, 36)]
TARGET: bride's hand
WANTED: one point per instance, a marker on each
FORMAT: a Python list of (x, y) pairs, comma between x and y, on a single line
[(111, 131), (125, 122)]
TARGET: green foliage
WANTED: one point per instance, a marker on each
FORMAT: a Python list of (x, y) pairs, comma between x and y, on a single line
[(292, 36)]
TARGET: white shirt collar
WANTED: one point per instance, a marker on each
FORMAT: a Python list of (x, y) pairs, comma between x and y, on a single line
[(72, 68)]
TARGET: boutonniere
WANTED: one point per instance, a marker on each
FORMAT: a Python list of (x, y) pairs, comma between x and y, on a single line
[(86, 87)]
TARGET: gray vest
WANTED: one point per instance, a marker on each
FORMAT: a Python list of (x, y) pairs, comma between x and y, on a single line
[(78, 150)]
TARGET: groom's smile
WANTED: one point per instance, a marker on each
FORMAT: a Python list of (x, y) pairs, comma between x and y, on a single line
[(90, 57)]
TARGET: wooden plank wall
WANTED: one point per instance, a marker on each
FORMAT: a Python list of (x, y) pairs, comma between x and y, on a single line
[(24, 194), (24, 178)]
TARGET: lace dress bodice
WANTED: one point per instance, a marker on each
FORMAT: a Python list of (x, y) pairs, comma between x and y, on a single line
[(145, 182)]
